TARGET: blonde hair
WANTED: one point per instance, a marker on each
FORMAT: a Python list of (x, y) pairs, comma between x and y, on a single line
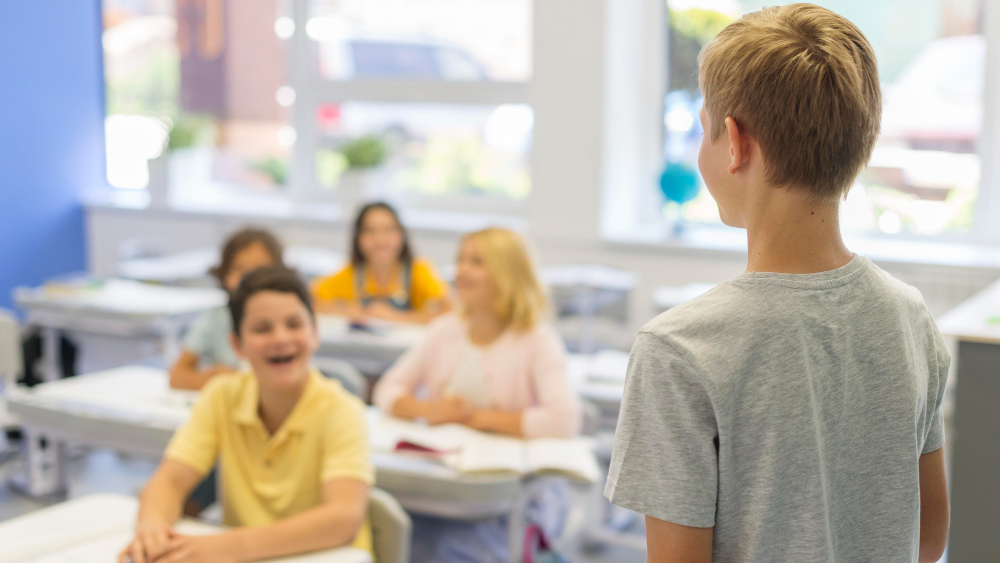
[(521, 301), (803, 82)]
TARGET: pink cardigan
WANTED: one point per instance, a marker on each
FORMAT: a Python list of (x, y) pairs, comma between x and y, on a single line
[(525, 371)]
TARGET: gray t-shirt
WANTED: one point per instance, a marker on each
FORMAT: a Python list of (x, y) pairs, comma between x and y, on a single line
[(208, 338), (789, 412)]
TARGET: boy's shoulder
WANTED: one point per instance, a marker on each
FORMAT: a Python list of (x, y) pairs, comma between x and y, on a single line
[(753, 306)]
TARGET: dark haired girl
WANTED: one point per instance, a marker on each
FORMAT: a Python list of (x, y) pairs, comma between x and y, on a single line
[(207, 351), (383, 279)]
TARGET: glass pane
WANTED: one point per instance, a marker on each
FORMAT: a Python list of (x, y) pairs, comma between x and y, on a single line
[(924, 174), (426, 149), (460, 40), (200, 82)]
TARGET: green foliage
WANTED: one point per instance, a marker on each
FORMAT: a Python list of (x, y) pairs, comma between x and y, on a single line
[(330, 166), (274, 167), (450, 165), (364, 152), (690, 30), (189, 130)]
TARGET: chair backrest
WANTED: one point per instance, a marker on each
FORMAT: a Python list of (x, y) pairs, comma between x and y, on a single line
[(345, 373), (392, 528), (11, 362)]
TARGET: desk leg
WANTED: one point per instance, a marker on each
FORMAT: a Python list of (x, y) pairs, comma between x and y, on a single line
[(50, 354), (975, 486), (46, 466), (516, 527)]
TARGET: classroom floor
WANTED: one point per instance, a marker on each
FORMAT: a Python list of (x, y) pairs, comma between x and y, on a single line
[(93, 471)]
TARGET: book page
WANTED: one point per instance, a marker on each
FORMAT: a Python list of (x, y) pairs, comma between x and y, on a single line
[(493, 454), (571, 458)]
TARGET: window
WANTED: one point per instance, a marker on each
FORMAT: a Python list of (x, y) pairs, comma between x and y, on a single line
[(197, 86), (925, 174), (418, 100)]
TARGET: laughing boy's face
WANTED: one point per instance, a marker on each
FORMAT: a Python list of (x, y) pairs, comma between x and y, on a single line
[(278, 338)]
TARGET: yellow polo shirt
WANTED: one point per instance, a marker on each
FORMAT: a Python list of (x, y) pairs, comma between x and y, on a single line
[(268, 478), (425, 285)]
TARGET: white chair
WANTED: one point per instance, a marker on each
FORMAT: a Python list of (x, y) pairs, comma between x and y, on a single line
[(391, 528), (11, 363), (345, 373)]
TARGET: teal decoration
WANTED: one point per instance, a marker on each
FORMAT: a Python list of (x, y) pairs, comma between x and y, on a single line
[(679, 183)]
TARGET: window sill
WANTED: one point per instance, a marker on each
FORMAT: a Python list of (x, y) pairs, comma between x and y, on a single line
[(284, 208), (727, 243)]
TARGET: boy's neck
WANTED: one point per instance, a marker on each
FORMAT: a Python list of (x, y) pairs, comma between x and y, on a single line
[(276, 404), (789, 234)]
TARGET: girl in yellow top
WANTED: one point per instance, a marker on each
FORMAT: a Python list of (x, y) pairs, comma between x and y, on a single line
[(383, 280)]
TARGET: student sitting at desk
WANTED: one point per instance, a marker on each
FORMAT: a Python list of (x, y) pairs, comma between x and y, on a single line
[(496, 367), (207, 351), (383, 279), (291, 444)]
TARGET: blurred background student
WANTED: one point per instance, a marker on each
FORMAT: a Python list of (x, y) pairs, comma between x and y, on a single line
[(207, 350), (383, 279), (497, 366)]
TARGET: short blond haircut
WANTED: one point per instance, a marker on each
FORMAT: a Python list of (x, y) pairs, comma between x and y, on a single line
[(521, 301), (803, 82)]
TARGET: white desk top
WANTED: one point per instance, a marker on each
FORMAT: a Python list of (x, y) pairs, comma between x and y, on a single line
[(334, 329), (666, 297), (593, 276), (95, 528), (975, 320), (599, 377), (310, 261), (121, 298)]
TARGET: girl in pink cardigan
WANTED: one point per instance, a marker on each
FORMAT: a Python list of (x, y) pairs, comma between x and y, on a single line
[(494, 366)]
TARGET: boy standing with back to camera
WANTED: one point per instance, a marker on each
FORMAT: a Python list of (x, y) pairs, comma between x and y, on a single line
[(794, 412)]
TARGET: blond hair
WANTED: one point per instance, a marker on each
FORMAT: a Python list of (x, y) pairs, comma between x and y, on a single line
[(520, 300), (803, 82)]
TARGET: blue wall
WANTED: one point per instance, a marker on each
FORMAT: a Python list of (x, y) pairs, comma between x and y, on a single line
[(51, 136)]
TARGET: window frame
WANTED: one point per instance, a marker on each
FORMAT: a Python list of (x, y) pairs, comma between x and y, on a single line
[(312, 90), (986, 221)]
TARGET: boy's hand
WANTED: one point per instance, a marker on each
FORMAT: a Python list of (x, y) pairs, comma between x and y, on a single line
[(181, 548), (151, 539), (450, 409)]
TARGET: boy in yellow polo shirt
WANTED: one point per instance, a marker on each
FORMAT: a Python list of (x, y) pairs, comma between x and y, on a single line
[(292, 445)]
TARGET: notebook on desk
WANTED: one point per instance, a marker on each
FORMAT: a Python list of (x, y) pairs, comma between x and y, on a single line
[(473, 452)]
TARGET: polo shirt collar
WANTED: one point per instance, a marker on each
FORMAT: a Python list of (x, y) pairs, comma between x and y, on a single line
[(297, 421)]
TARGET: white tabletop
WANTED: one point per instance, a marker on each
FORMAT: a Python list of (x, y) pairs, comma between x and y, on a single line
[(122, 298), (310, 261), (95, 528), (593, 276), (666, 297), (975, 320)]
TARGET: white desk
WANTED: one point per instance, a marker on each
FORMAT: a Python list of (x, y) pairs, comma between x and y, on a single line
[(591, 287), (975, 446), (132, 409), (116, 308), (372, 352), (192, 266), (667, 297), (95, 528)]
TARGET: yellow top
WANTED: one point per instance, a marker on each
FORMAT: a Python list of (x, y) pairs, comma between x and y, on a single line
[(268, 478), (425, 285)]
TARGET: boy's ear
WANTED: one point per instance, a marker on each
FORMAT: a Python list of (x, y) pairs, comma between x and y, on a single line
[(739, 146), (234, 341)]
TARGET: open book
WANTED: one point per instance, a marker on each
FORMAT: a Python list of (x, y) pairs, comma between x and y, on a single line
[(470, 451)]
